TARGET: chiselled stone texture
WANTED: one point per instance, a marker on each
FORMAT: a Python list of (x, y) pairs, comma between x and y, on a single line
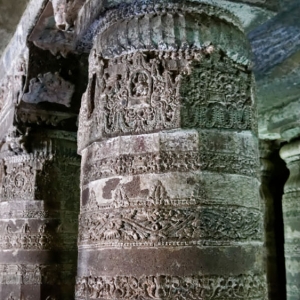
[(291, 210), (169, 287), (148, 92), (170, 205), (39, 192)]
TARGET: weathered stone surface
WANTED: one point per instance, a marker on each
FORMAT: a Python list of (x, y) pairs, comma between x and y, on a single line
[(11, 12), (166, 136), (276, 56), (273, 177), (49, 88), (170, 205), (290, 153), (38, 219)]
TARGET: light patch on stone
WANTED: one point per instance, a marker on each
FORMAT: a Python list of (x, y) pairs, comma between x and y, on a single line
[(292, 234), (49, 88), (293, 266)]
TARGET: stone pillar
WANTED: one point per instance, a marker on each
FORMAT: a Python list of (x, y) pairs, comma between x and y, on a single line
[(39, 178), (170, 205), (291, 217), (269, 168)]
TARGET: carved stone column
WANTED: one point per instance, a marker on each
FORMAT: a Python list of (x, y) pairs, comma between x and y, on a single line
[(273, 219), (39, 178), (291, 216), (170, 205), (267, 168)]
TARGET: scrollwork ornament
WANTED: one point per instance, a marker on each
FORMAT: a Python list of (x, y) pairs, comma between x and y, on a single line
[(171, 287), (152, 91)]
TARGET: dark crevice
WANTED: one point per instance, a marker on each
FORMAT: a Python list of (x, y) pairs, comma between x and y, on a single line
[(277, 181)]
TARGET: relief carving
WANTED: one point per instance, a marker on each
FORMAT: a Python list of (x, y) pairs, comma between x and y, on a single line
[(218, 94), (23, 238), (134, 93), (164, 25), (170, 226), (49, 88), (18, 182), (44, 117), (171, 287), (169, 161), (63, 237), (150, 100), (152, 91), (159, 220)]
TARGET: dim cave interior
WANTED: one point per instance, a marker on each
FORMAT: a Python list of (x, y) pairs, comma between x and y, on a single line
[(149, 149)]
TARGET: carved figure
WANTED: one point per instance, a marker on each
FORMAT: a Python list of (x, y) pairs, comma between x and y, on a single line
[(140, 86), (171, 287)]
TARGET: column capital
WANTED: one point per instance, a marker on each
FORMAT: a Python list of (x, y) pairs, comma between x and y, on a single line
[(172, 26), (291, 212), (291, 151)]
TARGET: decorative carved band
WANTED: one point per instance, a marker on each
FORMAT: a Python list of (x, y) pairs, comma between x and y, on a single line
[(171, 287), (159, 220), (170, 226), (171, 161), (25, 239), (172, 7), (148, 92), (11, 213)]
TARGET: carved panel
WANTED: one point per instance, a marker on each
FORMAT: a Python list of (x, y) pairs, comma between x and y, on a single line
[(159, 220), (61, 234), (134, 93), (24, 239), (152, 91), (12, 85), (29, 114), (29, 212), (169, 162), (18, 182), (217, 94), (171, 287)]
